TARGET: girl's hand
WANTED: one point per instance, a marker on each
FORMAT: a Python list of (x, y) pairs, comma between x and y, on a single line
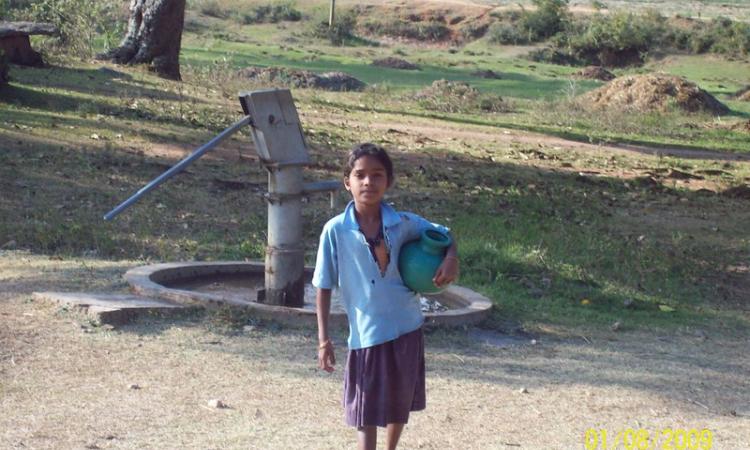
[(326, 359), (447, 272)]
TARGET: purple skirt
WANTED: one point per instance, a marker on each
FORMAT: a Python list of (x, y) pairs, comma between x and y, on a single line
[(384, 383)]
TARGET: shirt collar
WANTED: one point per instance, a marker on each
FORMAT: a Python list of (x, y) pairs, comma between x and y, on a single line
[(389, 216)]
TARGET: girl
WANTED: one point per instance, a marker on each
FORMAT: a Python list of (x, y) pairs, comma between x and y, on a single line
[(384, 376)]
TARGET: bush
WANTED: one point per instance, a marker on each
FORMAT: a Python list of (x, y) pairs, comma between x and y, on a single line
[(458, 97), (721, 35), (624, 38), (505, 33), (553, 56), (79, 22), (549, 18), (610, 40), (473, 31), (432, 30), (270, 14), (341, 31), (546, 20), (213, 8)]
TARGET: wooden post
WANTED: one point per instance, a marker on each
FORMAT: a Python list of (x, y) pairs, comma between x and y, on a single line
[(331, 14)]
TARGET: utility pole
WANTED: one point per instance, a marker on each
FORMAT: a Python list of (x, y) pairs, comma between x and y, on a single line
[(331, 14)]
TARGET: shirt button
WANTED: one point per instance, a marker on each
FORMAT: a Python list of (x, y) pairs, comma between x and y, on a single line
[(373, 281)]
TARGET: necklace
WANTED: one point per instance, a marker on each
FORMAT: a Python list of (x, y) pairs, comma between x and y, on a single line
[(373, 242)]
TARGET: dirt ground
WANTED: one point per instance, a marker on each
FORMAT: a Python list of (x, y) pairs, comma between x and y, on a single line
[(67, 384)]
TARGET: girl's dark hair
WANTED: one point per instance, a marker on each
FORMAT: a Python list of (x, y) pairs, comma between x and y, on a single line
[(369, 149)]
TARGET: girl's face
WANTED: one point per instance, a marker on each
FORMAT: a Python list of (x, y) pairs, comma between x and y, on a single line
[(367, 181)]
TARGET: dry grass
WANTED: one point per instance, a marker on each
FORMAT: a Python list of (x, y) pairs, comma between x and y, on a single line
[(653, 92), (65, 383)]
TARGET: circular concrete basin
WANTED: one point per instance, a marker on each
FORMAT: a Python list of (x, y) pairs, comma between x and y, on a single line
[(215, 284)]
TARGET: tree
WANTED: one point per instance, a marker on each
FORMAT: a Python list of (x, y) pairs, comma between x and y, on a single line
[(154, 37)]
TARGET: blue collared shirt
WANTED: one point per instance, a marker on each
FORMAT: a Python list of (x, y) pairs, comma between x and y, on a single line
[(379, 307)]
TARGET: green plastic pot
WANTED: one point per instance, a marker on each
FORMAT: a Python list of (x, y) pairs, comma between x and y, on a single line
[(419, 260)]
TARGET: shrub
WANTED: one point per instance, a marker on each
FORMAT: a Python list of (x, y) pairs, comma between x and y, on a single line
[(546, 20), (270, 14), (341, 31), (79, 22), (722, 35), (522, 27), (458, 97), (553, 56), (610, 40), (624, 38), (432, 30), (506, 33), (474, 31), (213, 8)]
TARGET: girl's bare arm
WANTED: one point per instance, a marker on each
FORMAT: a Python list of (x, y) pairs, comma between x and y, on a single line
[(326, 358)]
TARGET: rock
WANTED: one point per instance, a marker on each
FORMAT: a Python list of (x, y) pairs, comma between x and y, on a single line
[(595, 73), (133, 387), (615, 326), (10, 245), (523, 390), (10, 29), (15, 44), (395, 63), (330, 81), (743, 94), (741, 191), (337, 81), (489, 74), (216, 403), (536, 292), (680, 175)]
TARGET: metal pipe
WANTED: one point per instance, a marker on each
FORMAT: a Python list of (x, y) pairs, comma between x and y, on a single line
[(321, 186), (177, 168), (285, 256)]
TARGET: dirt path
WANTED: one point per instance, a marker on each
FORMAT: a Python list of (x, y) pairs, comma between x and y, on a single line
[(446, 131), (65, 384)]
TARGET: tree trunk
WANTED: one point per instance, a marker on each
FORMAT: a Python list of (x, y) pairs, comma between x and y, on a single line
[(154, 36)]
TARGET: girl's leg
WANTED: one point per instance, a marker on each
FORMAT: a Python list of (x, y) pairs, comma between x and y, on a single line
[(367, 438), (393, 433)]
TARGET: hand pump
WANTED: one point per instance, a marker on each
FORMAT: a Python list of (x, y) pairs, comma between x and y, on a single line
[(279, 141)]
